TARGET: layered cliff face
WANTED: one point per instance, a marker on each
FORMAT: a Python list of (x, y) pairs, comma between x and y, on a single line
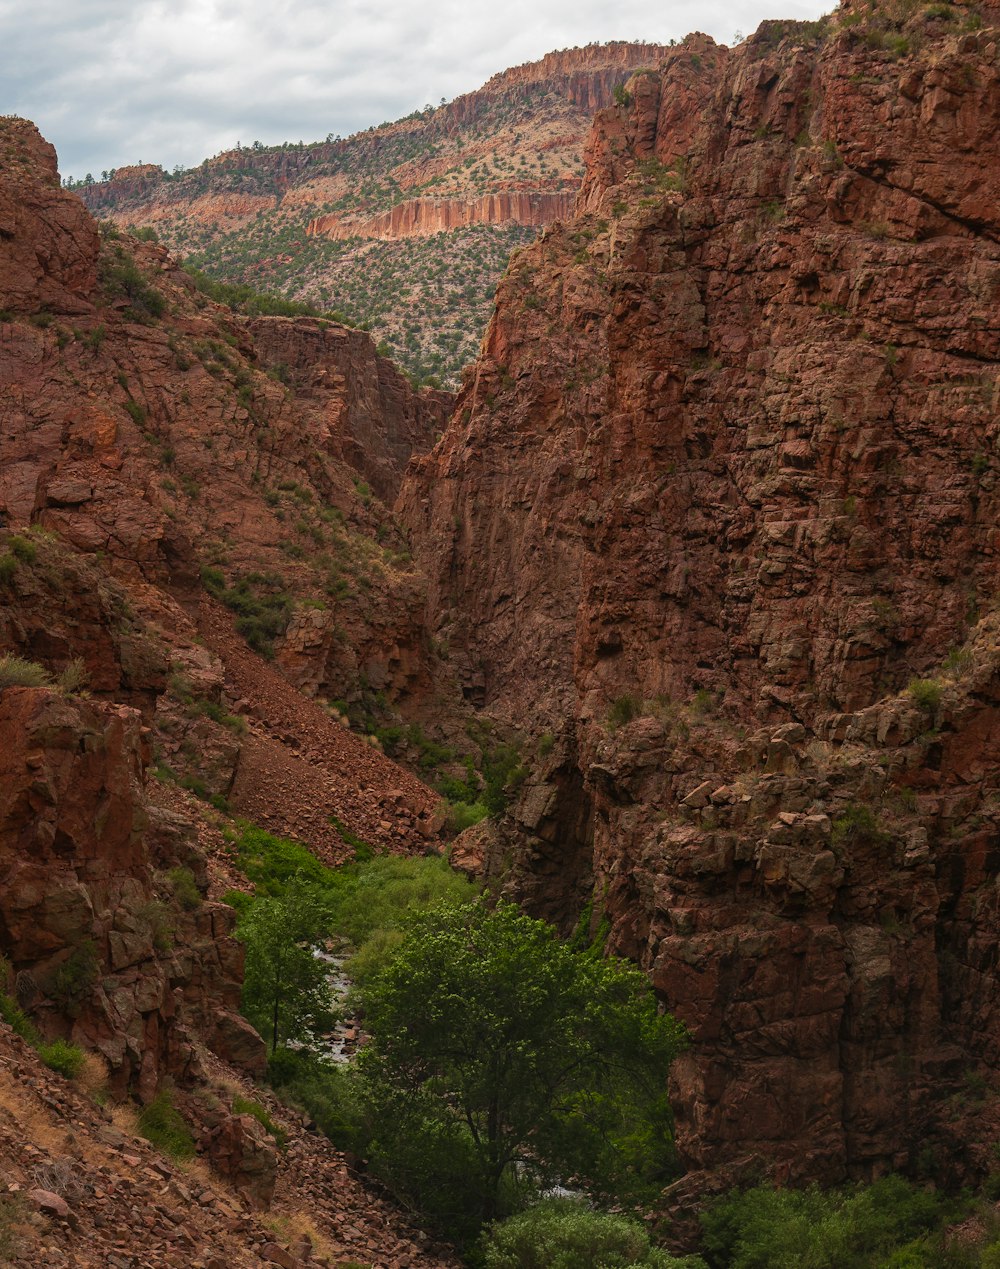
[(405, 228), (717, 511), (425, 216)]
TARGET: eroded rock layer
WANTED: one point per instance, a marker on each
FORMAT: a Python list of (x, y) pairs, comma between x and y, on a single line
[(716, 514), (425, 216)]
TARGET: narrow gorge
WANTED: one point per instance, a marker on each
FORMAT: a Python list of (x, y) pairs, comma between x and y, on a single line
[(687, 597)]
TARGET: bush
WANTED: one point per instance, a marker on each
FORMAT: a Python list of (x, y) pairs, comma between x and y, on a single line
[(857, 824), (67, 1059), (154, 914), (122, 279), (15, 1018), (262, 606), (624, 710), (214, 711), (328, 1092), (163, 1125), (74, 677), (763, 1228), (71, 981), (185, 888), (15, 671), (8, 567), (459, 816), (925, 694), (563, 1234), (24, 549)]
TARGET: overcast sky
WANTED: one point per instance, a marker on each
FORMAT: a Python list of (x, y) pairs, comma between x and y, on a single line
[(111, 82)]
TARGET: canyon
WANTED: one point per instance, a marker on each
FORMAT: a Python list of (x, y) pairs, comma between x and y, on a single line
[(716, 513), (709, 532)]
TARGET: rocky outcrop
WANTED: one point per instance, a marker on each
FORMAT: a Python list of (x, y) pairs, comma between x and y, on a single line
[(242, 1151), (721, 485), (425, 216), (360, 407), (85, 931), (33, 211)]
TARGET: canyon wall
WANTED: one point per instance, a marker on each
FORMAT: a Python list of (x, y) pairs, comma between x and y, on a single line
[(716, 518), (155, 446)]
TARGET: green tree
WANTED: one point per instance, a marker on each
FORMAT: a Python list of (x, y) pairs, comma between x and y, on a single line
[(286, 993), (501, 1060)]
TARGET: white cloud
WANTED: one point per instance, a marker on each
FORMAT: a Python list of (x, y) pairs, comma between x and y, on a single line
[(111, 82)]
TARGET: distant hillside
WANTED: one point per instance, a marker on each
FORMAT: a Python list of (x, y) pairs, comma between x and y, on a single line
[(405, 228)]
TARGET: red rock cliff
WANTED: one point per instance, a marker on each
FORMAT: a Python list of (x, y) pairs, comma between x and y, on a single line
[(723, 483), (420, 217)]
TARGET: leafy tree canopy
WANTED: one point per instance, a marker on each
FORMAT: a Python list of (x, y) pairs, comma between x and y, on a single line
[(286, 991), (502, 1060)]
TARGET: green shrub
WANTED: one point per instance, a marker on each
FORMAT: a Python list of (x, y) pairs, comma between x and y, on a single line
[(121, 279), (15, 1018), (857, 824), (243, 1106), (155, 915), (362, 851), (502, 775), (163, 1125), (262, 606), (329, 1092), (15, 671), (563, 1234), (25, 550), (70, 982), (8, 567), (67, 1059), (546, 743), (624, 710), (185, 888), (925, 694), (73, 678), (214, 711), (459, 816), (763, 1228)]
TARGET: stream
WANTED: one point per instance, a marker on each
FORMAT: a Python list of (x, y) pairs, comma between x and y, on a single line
[(340, 1044)]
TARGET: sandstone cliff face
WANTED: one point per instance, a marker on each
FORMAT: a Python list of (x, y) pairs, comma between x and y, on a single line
[(425, 216), (722, 484)]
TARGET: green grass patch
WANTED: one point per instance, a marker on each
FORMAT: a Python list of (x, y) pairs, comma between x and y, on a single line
[(925, 694), (64, 1058), (243, 1106), (162, 1124)]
